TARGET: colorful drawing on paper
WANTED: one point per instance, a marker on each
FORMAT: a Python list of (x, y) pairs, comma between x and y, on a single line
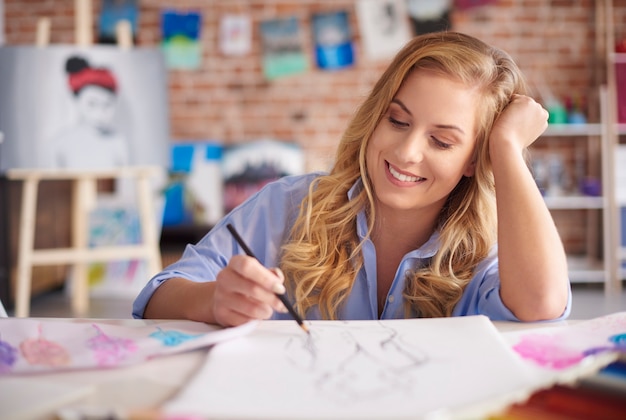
[(283, 54), (333, 40), (566, 347), (8, 356), (248, 167), (115, 223), (181, 39), (28, 346), (235, 34), (110, 350), (173, 338), (114, 11), (44, 352)]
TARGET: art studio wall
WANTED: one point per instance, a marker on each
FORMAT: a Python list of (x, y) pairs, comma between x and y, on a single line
[(228, 96), (294, 71)]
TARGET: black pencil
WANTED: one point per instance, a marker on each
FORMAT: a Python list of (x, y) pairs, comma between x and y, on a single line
[(281, 296)]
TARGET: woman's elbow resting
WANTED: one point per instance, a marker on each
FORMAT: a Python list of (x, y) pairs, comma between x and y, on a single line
[(543, 309)]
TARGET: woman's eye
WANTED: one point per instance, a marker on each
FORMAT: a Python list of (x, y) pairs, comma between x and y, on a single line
[(397, 123), (440, 144)]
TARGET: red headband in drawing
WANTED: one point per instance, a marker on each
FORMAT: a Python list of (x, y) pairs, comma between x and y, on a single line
[(91, 76)]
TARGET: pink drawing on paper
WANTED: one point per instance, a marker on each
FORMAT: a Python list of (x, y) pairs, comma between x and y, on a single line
[(555, 352), (545, 351), (39, 351), (108, 350)]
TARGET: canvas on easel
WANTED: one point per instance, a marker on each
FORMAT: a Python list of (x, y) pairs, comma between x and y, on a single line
[(69, 107), (114, 100)]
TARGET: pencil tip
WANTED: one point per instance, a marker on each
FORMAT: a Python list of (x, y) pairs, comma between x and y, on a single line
[(306, 329)]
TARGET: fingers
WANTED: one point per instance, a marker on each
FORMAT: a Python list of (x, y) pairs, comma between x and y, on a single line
[(521, 122), (253, 270), (246, 290)]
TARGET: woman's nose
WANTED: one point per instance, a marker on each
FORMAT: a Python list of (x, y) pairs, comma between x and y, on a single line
[(412, 148)]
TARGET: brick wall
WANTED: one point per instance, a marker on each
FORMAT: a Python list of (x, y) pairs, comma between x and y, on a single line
[(229, 99), (553, 41)]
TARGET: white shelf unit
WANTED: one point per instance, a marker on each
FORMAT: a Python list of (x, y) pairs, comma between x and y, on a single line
[(606, 34), (588, 267), (617, 135)]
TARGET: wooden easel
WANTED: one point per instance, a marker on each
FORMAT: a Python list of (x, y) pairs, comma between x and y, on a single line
[(79, 254), (84, 191)]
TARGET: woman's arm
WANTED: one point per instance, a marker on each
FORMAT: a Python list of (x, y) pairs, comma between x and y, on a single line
[(220, 284), (533, 266), (243, 291)]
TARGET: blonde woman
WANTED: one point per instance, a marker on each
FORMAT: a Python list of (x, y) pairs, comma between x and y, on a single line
[(429, 211)]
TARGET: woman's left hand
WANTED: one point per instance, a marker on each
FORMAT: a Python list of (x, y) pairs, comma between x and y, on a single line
[(521, 123)]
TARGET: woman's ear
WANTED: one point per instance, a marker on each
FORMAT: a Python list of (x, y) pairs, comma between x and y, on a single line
[(470, 169)]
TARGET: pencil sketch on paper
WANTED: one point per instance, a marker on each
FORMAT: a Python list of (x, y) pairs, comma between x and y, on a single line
[(364, 366), (356, 369)]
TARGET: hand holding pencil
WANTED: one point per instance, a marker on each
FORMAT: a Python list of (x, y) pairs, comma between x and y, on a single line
[(278, 291), (246, 290)]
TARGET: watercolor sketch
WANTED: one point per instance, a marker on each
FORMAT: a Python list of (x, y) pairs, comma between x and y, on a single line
[(29, 345), (560, 348), (248, 167)]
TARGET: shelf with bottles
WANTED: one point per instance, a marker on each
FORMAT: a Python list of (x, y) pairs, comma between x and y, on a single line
[(564, 171)]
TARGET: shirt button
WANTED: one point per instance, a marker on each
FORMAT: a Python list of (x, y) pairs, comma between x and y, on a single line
[(390, 299)]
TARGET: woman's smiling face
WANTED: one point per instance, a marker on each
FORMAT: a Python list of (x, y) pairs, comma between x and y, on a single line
[(424, 143)]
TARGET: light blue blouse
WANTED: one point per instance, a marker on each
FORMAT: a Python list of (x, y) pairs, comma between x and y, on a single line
[(264, 222)]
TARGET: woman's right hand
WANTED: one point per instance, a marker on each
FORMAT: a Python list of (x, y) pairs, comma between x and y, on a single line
[(243, 291), (246, 290)]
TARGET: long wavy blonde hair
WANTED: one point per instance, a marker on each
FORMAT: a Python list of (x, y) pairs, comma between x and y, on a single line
[(323, 255)]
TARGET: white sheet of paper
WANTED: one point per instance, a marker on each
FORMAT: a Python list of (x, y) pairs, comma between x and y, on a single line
[(359, 369)]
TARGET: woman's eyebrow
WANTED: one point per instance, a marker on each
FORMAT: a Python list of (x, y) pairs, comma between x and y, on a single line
[(450, 127), (401, 105), (444, 126)]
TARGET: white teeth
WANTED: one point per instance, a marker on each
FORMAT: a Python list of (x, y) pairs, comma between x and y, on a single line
[(401, 177)]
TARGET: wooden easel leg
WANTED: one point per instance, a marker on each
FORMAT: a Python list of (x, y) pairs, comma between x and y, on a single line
[(82, 203), (148, 225), (26, 247)]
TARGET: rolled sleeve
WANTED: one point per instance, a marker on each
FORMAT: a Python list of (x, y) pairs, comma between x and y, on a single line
[(263, 221)]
